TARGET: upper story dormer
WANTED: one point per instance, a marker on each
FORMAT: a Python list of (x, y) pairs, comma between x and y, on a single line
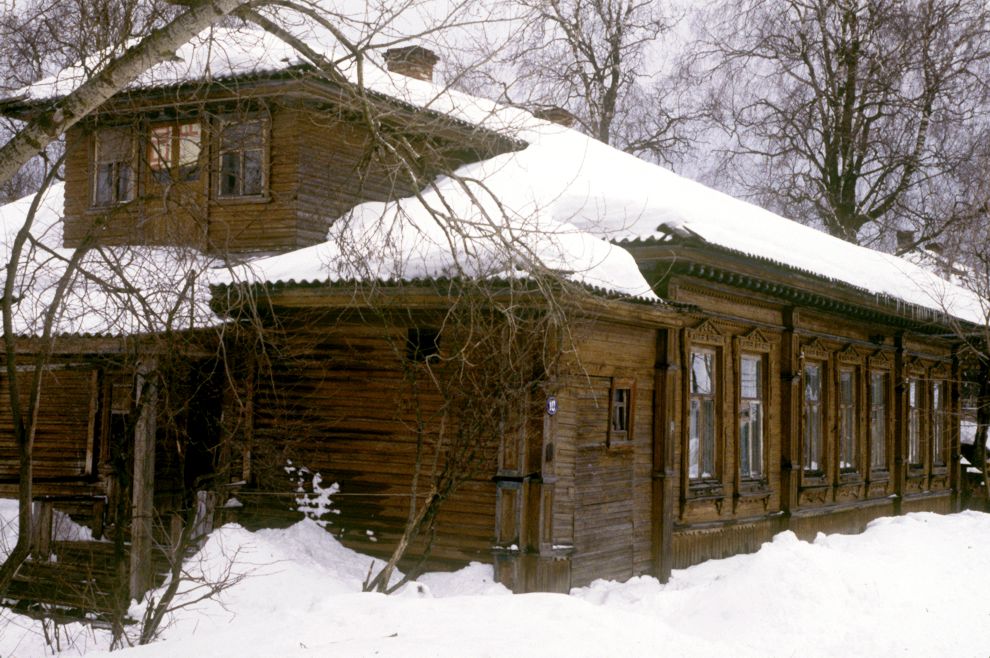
[(256, 162)]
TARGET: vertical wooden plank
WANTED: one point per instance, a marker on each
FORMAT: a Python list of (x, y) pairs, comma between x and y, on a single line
[(143, 496)]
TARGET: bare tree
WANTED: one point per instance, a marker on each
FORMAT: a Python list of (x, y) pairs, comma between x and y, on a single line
[(601, 60), (850, 115)]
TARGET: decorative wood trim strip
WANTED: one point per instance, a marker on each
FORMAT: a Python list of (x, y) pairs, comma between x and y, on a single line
[(755, 341), (881, 360), (814, 350), (849, 355), (706, 332)]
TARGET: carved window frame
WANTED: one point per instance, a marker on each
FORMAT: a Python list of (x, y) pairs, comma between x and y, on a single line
[(938, 417), (617, 435), (705, 338), (849, 361), (753, 345), (915, 411), (814, 354)]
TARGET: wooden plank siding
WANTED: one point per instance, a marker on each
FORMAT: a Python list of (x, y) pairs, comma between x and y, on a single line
[(604, 490), (337, 402)]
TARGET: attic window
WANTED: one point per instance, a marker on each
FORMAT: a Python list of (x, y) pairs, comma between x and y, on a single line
[(173, 151), (422, 345), (113, 169), (242, 148)]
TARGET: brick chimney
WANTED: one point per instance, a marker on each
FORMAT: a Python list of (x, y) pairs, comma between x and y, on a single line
[(413, 61)]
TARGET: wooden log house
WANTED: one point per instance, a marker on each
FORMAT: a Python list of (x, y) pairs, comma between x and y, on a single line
[(758, 397)]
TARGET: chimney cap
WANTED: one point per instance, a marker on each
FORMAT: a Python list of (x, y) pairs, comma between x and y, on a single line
[(412, 61), (411, 54), (555, 114)]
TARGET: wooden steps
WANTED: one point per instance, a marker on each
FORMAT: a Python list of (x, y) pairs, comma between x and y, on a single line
[(81, 580)]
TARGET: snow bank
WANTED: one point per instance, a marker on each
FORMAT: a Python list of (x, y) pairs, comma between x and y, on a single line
[(908, 586)]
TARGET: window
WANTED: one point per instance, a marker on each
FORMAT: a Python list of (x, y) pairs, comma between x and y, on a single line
[(751, 417), (241, 159), (173, 151), (914, 423), (878, 421), (814, 447), (847, 421), (938, 423), (620, 411), (701, 436), (422, 344), (113, 170)]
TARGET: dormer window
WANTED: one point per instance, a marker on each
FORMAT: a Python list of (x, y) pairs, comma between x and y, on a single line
[(242, 148), (113, 168), (173, 151)]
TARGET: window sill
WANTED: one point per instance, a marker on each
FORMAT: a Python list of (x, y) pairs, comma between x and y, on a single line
[(850, 477), (705, 490), (240, 200)]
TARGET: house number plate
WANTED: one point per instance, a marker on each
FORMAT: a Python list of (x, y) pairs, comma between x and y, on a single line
[(551, 405)]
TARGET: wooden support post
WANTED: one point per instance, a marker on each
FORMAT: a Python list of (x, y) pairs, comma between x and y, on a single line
[(665, 437), (143, 498), (955, 446), (790, 426), (41, 542)]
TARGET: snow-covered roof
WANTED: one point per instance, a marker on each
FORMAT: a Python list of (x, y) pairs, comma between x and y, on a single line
[(565, 202), (115, 291)]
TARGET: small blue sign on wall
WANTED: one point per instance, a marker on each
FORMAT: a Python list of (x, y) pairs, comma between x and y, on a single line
[(551, 405)]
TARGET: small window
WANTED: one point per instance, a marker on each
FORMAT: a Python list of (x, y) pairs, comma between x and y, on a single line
[(814, 446), (113, 169), (422, 344), (751, 417), (878, 421), (938, 423), (620, 416), (914, 423), (701, 435), (174, 151), (241, 159), (847, 421)]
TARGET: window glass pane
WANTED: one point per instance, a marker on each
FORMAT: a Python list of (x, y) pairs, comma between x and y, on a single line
[(708, 438), (190, 139), (104, 184), (914, 424), (701, 372), (847, 420), (160, 148), (252, 173), (113, 145), (878, 420), (751, 417), (230, 174), (694, 468), (241, 136), (749, 377), (125, 182), (938, 423), (813, 453)]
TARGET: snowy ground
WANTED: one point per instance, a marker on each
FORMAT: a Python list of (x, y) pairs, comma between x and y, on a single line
[(917, 585)]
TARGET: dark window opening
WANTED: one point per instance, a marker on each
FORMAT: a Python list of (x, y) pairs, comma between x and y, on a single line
[(422, 344)]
